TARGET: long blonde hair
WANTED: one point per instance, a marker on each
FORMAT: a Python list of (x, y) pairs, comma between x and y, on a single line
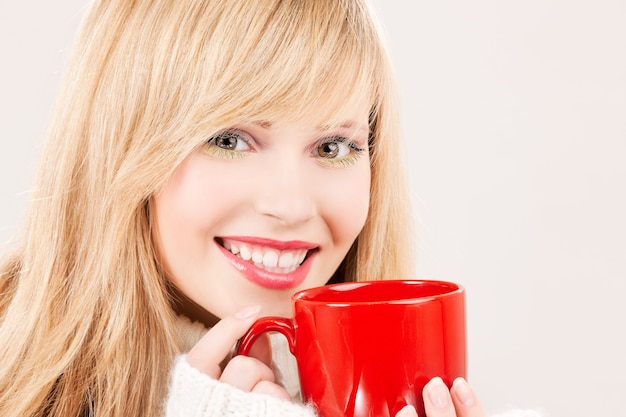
[(86, 324)]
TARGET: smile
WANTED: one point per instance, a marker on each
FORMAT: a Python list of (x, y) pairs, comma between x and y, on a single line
[(269, 263), (270, 259)]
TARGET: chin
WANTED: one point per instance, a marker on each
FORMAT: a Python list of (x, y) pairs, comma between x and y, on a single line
[(282, 310)]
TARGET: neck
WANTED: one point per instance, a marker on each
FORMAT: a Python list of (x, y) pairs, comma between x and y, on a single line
[(185, 306)]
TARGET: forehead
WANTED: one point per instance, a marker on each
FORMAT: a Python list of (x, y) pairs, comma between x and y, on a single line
[(324, 115)]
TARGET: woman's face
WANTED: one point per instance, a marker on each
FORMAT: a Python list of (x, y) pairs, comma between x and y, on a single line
[(264, 210)]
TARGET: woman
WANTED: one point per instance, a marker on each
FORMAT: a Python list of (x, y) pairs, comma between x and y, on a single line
[(190, 137)]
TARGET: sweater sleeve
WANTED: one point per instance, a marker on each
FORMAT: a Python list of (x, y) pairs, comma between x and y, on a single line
[(194, 394)]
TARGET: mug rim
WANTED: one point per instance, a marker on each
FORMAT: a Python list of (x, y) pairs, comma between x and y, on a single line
[(307, 295)]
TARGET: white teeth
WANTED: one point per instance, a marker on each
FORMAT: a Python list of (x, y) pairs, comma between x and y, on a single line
[(269, 259), (257, 257), (244, 253), (285, 261)]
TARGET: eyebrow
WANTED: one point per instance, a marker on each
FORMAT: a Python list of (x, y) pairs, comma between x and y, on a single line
[(265, 124), (349, 124)]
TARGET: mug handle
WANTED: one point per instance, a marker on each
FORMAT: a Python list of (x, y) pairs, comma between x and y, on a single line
[(267, 324)]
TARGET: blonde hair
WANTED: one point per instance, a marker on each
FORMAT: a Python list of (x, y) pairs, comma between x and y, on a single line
[(86, 324)]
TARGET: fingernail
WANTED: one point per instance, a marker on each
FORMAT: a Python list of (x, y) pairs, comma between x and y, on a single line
[(247, 312), (463, 391), (438, 393), (407, 411)]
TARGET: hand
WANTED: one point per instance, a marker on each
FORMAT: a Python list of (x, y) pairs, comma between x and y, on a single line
[(248, 373), (459, 401)]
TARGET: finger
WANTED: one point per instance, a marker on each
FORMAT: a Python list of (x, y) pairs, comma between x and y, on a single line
[(269, 388), (217, 343), (465, 401), (437, 399), (407, 411), (245, 373), (262, 349)]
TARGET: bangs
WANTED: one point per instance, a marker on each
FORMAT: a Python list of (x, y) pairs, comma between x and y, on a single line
[(296, 59), (204, 66)]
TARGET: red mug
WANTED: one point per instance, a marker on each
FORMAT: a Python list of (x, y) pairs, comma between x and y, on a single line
[(368, 348)]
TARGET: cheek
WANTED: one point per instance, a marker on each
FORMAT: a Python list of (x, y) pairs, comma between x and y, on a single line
[(181, 206), (347, 205), (192, 200), (186, 212)]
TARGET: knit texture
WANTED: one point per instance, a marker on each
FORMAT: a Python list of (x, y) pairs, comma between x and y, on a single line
[(193, 393)]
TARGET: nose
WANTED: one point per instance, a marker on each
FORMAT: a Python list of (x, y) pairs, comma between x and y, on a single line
[(285, 192)]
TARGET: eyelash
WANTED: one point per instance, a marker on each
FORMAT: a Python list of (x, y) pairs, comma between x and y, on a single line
[(219, 152), (354, 152)]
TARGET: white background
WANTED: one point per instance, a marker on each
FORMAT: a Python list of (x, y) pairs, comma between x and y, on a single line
[(515, 122)]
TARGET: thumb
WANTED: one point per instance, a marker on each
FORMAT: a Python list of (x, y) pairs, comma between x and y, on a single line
[(217, 343)]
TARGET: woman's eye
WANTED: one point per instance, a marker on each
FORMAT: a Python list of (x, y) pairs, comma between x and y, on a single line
[(338, 150), (331, 150), (228, 144), (231, 141)]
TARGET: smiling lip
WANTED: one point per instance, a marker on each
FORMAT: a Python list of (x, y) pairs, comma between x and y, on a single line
[(262, 277)]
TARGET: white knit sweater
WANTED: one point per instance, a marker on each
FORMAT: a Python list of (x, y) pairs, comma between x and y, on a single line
[(194, 394)]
